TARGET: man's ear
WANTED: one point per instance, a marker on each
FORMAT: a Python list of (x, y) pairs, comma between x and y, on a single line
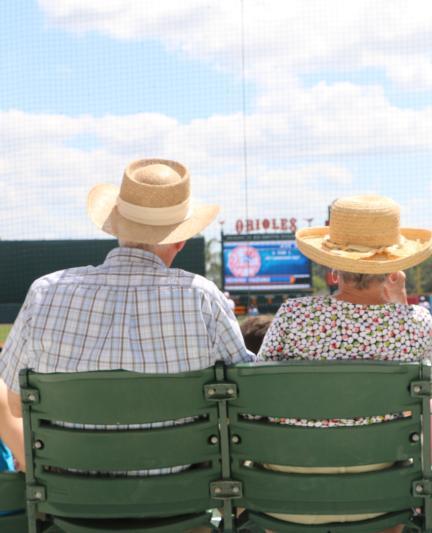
[(179, 246)]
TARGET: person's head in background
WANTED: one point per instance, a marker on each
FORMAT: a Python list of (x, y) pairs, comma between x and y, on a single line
[(254, 329)]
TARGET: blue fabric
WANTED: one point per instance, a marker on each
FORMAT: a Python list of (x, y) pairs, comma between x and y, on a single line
[(6, 459), (6, 465)]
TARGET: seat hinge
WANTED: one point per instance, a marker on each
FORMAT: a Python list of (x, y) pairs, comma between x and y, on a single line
[(226, 489), (220, 391), (420, 389), (30, 395), (36, 493), (422, 487)]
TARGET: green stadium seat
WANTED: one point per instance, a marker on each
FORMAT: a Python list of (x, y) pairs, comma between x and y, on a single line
[(329, 390), (85, 503), (227, 448), (12, 503)]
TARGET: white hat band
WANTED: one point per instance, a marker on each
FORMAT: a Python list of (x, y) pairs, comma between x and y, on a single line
[(155, 216)]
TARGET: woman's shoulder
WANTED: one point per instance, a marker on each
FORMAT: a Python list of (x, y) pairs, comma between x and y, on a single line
[(313, 302), (419, 313), (313, 307)]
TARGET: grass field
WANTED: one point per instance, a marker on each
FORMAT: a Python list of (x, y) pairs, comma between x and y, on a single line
[(4, 330)]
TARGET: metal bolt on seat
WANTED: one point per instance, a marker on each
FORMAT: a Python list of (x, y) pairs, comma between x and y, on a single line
[(415, 437)]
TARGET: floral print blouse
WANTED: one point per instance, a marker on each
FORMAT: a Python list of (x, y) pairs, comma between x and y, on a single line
[(320, 328)]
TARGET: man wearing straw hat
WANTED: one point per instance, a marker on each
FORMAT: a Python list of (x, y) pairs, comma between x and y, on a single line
[(133, 311), (368, 318)]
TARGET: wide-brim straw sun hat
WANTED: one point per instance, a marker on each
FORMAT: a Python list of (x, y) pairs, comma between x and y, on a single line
[(153, 205), (364, 236)]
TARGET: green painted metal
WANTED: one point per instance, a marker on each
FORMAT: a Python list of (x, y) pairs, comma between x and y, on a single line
[(88, 396), (12, 491), (322, 390), (168, 525), (426, 375), (313, 447), (383, 491), (12, 500), (280, 387), (59, 447), (224, 489), (119, 397), (232, 450)]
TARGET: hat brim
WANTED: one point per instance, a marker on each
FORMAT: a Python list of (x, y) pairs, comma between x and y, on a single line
[(418, 248), (101, 207)]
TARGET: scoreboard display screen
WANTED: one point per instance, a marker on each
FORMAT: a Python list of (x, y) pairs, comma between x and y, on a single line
[(272, 263)]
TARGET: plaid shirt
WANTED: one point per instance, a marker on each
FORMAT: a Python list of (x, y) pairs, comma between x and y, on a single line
[(131, 312)]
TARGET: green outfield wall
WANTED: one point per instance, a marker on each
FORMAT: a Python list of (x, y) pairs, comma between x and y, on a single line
[(21, 262)]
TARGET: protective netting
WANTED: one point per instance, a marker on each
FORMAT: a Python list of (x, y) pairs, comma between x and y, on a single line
[(276, 107)]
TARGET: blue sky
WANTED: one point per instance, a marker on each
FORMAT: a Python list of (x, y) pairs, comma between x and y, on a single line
[(48, 70), (338, 101)]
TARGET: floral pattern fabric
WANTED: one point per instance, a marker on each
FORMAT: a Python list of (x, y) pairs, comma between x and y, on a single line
[(323, 328)]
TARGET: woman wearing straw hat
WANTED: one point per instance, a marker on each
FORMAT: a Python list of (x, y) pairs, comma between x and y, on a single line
[(368, 318)]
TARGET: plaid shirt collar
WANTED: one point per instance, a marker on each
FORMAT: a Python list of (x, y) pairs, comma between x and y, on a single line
[(123, 255)]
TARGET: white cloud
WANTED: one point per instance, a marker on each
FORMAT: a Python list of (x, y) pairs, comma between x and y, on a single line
[(282, 38), (299, 138), (411, 72), (307, 174), (294, 165)]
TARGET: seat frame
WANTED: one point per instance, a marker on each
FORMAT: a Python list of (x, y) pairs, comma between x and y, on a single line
[(226, 393)]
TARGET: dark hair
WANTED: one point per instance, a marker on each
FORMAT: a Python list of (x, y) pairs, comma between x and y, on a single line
[(254, 329)]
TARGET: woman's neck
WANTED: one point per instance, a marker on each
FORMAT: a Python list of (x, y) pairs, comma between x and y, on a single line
[(371, 296)]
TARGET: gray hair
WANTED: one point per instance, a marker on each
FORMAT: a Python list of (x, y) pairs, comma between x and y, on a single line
[(140, 245), (153, 248), (362, 281)]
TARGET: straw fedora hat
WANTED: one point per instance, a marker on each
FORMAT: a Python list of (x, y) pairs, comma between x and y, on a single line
[(364, 236), (153, 205)]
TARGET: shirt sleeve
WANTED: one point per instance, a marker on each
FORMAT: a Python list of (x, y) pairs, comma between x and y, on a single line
[(274, 343), (15, 353), (229, 344), (425, 320)]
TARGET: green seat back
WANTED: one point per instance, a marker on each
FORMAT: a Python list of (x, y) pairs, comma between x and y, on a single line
[(329, 390), (230, 441), (12, 503), (58, 456)]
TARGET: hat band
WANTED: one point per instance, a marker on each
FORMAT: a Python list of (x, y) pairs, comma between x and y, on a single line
[(154, 216), (365, 252)]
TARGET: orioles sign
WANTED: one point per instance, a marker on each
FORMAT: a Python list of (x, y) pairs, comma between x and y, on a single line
[(273, 224)]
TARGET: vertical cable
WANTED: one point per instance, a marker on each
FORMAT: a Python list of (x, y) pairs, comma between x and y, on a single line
[(245, 144), (244, 127)]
